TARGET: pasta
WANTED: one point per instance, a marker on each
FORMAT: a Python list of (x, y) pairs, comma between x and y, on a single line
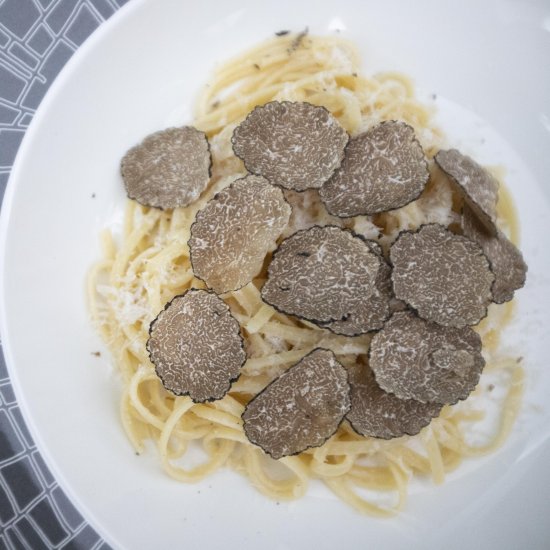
[(148, 264)]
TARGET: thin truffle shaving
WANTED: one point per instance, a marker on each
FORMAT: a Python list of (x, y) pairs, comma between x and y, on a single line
[(416, 359), (295, 145), (369, 314), (321, 274), (300, 409), (506, 260), (477, 185), (383, 169), (196, 346), (377, 413), (445, 277), (168, 169), (234, 232)]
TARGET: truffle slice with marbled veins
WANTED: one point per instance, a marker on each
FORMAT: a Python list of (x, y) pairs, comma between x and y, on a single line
[(295, 145), (168, 169), (235, 230), (196, 346), (445, 277), (300, 409), (506, 260), (321, 274), (383, 169), (416, 359), (477, 185), (377, 413), (370, 314)]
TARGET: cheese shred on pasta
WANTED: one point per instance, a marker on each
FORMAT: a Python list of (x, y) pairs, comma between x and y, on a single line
[(148, 264)]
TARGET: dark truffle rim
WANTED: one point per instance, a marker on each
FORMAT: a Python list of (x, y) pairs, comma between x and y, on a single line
[(210, 164), (278, 378), (480, 214), (199, 212), (374, 212), (239, 332), (320, 324), (277, 184), (414, 309), (498, 236), (414, 313)]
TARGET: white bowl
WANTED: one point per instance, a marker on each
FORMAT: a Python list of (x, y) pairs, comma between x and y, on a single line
[(141, 72)]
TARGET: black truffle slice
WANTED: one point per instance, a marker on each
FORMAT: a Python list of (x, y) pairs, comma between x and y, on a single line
[(322, 274), (416, 359), (295, 145), (168, 169), (235, 230), (377, 413), (477, 185), (196, 346), (383, 169), (300, 409), (445, 277), (372, 313), (506, 260)]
